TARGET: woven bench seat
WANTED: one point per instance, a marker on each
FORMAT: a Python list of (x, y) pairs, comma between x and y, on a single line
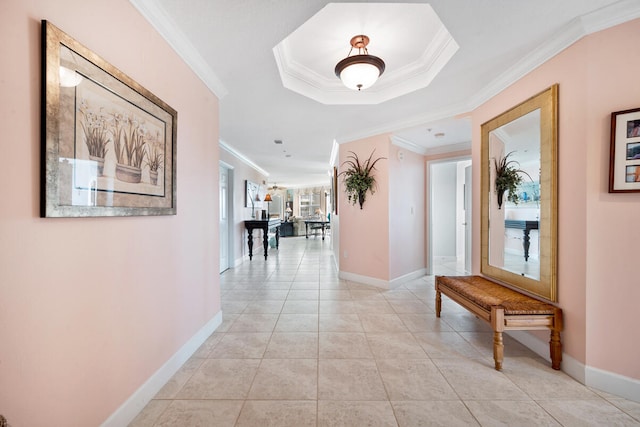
[(504, 309)]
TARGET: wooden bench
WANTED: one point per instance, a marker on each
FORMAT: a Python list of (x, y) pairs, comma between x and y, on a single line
[(504, 309)]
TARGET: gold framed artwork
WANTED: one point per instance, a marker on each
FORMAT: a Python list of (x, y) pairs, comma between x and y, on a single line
[(108, 144)]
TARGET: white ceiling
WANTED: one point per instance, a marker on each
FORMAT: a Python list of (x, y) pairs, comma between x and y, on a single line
[(230, 45)]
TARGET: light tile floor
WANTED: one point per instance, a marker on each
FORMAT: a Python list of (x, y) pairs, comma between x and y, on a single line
[(300, 347)]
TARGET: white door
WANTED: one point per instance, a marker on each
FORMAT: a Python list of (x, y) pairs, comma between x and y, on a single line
[(468, 190), (224, 219)]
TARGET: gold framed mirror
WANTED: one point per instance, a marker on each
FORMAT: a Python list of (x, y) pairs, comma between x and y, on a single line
[(519, 195)]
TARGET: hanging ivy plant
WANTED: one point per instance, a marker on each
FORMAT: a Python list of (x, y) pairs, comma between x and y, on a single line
[(508, 179), (357, 177)]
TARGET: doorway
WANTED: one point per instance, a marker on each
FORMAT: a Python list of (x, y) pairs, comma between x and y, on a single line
[(226, 212), (449, 216)]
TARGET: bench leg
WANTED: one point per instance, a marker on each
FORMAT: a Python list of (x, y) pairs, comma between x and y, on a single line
[(497, 324), (438, 303), (498, 350), (555, 349)]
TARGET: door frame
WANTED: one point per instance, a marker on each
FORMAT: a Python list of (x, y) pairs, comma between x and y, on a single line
[(429, 196), (230, 215)]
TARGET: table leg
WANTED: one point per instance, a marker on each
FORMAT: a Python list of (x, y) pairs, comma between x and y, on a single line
[(306, 230), (322, 231), (265, 241), (250, 242), (278, 237), (526, 243)]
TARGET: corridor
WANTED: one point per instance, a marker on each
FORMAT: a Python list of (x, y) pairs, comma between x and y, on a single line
[(300, 347)]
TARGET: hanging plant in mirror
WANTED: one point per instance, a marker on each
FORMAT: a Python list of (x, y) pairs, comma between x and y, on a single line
[(358, 178), (508, 179)]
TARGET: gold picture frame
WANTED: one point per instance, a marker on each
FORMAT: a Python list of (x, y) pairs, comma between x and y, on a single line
[(108, 144), (495, 222)]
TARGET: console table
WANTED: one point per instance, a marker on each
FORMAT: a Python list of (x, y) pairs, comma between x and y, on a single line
[(315, 224), (265, 226), (525, 226)]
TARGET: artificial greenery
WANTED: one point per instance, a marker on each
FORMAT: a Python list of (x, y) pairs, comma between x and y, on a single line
[(357, 177), (508, 179)]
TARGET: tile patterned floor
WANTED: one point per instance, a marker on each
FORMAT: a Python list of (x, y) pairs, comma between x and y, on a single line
[(300, 347)]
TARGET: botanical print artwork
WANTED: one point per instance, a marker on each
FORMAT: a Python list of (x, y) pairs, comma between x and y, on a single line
[(108, 144), (119, 147)]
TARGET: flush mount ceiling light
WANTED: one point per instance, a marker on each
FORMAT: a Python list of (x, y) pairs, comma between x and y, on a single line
[(359, 71)]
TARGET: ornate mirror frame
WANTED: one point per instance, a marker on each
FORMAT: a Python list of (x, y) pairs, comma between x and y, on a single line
[(545, 287)]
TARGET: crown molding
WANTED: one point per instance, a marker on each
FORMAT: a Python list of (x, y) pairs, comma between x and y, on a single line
[(242, 157), (451, 148), (556, 44), (165, 26), (408, 145), (405, 123), (610, 16), (598, 20)]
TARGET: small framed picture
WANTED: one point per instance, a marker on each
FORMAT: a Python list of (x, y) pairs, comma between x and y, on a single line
[(624, 166)]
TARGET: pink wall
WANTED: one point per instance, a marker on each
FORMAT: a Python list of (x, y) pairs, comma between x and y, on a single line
[(386, 239), (364, 234), (407, 217), (597, 282), (90, 308), (612, 220)]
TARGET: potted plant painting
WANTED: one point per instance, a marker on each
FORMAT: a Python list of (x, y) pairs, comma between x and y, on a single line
[(358, 177), (95, 128), (508, 178), (154, 161), (130, 150)]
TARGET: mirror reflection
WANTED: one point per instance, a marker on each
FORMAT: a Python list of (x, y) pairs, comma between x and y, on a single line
[(514, 209)]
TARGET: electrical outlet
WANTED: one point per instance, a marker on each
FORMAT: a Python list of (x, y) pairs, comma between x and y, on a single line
[(345, 254)]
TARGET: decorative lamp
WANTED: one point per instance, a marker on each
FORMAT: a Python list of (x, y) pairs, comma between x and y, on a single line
[(267, 199), (359, 71)]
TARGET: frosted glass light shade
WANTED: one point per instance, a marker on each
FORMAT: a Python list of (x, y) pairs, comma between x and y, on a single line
[(359, 76)]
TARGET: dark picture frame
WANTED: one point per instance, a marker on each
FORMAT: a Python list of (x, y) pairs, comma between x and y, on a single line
[(108, 144), (624, 163), (252, 197)]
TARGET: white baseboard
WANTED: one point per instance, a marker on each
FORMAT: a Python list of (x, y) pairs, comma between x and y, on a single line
[(613, 383), (141, 397), (441, 259), (383, 284), (408, 277), (366, 280)]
